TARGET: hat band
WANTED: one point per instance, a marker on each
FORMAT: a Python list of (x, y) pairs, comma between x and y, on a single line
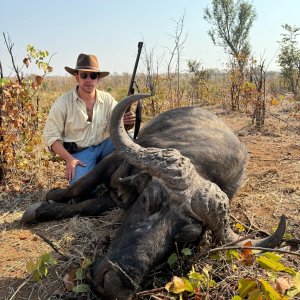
[(86, 67)]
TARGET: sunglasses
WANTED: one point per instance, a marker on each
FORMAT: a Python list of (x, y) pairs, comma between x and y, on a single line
[(92, 75)]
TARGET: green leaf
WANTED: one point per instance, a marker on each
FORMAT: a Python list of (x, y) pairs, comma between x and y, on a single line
[(195, 275), (236, 297), (188, 285), (288, 236), (297, 280), (81, 288), (272, 256), (232, 255), (205, 272), (172, 260), (296, 289), (269, 291), (45, 257), (31, 266), (3, 82), (245, 286), (215, 256), (186, 251), (80, 274), (212, 283), (255, 295), (36, 275), (51, 261), (43, 270), (270, 264)]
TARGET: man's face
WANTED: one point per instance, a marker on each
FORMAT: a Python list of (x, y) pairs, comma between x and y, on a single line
[(87, 81)]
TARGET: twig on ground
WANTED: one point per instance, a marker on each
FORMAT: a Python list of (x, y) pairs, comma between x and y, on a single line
[(251, 226), (200, 255), (46, 240), (19, 287), (292, 241), (155, 297), (149, 292), (280, 119), (247, 247)]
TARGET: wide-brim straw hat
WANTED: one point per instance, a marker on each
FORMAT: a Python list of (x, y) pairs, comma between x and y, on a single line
[(87, 63)]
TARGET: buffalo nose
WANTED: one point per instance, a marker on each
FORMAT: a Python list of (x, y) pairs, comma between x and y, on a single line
[(109, 282), (115, 286)]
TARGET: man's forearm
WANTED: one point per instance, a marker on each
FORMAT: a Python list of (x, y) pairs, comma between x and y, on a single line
[(60, 150)]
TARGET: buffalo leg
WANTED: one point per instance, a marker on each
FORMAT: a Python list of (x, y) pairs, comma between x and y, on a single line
[(82, 188), (46, 211)]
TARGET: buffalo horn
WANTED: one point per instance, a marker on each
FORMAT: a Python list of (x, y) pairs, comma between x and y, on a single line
[(168, 164)]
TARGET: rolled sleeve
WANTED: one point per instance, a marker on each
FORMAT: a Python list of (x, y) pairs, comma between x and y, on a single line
[(54, 127)]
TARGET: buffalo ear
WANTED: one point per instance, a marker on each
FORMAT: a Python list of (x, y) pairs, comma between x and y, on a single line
[(138, 181), (129, 188), (190, 233)]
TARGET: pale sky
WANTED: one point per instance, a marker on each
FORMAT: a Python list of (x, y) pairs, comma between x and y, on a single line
[(112, 29)]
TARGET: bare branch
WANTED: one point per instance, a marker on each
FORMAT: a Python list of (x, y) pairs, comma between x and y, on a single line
[(9, 46)]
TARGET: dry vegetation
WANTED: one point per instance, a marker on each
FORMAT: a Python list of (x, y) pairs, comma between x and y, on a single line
[(272, 188)]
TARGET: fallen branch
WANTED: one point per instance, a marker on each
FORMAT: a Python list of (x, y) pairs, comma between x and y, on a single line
[(251, 226), (292, 241), (247, 247), (150, 292), (46, 240), (19, 287)]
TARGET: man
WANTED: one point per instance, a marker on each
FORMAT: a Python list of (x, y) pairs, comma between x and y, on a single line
[(77, 128)]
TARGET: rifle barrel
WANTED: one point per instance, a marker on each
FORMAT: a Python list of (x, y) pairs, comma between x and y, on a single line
[(131, 90)]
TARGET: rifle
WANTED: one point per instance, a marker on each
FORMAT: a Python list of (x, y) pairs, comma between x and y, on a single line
[(138, 112)]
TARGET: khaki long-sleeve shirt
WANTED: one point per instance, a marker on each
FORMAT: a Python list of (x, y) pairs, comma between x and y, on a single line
[(68, 120)]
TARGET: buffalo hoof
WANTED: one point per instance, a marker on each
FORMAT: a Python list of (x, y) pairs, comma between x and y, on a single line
[(29, 215)]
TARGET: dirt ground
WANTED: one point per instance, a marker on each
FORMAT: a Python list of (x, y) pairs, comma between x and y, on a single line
[(272, 188)]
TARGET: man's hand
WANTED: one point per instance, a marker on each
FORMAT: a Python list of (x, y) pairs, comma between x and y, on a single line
[(129, 119), (71, 167), (71, 161)]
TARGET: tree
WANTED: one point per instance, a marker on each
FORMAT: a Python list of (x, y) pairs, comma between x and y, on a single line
[(19, 114), (258, 77), (152, 81), (289, 58), (231, 22), (174, 63), (197, 81)]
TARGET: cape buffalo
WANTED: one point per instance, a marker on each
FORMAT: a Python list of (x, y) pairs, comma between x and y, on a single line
[(175, 181)]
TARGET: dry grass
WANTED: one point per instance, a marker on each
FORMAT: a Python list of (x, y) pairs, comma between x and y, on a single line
[(271, 189)]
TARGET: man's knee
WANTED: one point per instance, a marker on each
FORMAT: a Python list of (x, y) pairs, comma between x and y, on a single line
[(106, 148)]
